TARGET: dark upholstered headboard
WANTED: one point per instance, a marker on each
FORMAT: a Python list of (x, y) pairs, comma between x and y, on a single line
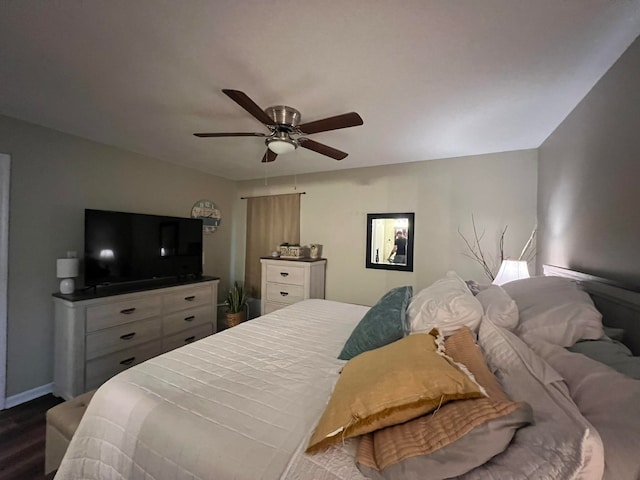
[(620, 307)]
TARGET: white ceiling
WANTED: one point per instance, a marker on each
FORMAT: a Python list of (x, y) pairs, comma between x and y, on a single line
[(430, 78)]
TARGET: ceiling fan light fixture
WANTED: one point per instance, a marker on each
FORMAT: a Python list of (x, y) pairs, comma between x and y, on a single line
[(281, 145)]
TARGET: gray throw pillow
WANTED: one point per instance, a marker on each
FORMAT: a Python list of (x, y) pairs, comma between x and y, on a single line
[(614, 333), (610, 352), (383, 324)]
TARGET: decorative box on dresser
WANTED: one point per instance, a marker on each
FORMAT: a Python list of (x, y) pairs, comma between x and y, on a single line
[(288, 281), (98, 335)]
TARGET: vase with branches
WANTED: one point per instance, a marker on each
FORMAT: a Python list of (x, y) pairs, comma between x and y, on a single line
[(490, 265)]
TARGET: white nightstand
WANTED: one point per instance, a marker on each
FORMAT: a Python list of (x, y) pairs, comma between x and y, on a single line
[(286, 281)]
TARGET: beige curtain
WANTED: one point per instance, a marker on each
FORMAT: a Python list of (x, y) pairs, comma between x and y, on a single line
[(271, 221)]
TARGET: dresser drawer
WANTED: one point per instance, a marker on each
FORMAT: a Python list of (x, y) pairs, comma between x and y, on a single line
[(290, 275), (101, 369), (278, 292), (185, 337), (190, 318), (111, 314), (187, 298), (97, 336), (113, 339)]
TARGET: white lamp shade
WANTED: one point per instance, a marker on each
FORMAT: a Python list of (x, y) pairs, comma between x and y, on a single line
[(281, 147), (511, 270), (67, 267)]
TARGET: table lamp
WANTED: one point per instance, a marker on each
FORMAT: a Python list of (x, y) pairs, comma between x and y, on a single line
[(67, 269)]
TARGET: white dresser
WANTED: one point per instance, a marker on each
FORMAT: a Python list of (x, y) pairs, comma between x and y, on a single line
[(289, 281), (97, 337)]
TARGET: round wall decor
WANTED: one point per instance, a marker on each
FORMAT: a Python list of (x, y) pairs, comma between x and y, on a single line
[(209, 213)]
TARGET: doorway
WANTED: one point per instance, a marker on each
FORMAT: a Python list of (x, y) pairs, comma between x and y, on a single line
[(5, 164)]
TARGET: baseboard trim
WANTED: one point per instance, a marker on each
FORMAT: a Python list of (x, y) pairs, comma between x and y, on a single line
[(24, 397)]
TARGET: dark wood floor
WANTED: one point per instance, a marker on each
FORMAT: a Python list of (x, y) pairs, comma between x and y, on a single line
[(22, 440)]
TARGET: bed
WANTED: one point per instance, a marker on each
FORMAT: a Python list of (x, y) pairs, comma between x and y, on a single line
[(244, 403)]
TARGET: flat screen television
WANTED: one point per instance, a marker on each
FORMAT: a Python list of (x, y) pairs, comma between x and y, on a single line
[(128, 247)]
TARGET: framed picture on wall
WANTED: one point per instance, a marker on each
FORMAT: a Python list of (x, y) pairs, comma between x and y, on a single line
[(390, 241)]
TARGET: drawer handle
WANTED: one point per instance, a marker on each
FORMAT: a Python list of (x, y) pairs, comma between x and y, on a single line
[(190, 298), (190, 339), (284, 274), (190, 318), (128, 336), (284, 294), (128, 311), (128, 361)]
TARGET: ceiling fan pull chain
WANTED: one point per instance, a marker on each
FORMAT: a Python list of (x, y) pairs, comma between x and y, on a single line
[(295, 173)]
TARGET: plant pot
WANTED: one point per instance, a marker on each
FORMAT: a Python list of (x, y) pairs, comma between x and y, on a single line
[(234, 319)]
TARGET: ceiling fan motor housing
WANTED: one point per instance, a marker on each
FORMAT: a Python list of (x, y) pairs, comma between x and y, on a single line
[(284, 116), (286, 120)]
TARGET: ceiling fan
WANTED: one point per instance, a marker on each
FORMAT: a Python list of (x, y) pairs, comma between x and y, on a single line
[(285, 131)]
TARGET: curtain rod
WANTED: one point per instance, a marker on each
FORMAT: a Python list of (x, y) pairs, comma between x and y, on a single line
[(278, 195)]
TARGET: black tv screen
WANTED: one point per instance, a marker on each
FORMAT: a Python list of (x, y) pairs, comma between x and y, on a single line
[(128, 247)]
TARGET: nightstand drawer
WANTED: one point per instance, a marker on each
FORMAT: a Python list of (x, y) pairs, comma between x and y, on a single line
[(290, 275), (187, 298), (193, 317), (109, 340), (101, 369), (185, 337), (111, 314), (278, 292)]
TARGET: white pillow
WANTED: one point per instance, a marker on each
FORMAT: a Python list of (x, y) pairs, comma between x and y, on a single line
[(499, 307), (446, 305), (555, 310)]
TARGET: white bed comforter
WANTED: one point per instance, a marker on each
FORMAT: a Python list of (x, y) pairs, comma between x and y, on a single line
[(234, 405), (241, 405)]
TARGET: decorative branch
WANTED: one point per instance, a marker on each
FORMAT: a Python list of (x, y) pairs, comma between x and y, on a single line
[(528, 245), (475, 249), (502, 245)]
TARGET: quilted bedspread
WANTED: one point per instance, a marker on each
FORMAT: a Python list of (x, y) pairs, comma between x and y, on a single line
[(234, 405), (242, 404)]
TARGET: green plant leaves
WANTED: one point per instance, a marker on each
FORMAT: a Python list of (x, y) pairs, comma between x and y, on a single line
[(236, 298)]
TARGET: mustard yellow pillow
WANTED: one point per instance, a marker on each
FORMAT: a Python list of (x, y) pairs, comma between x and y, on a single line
[(390, 385)]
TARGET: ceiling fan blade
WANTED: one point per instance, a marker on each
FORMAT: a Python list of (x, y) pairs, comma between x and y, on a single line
[(269, 156), (322, 149), (345, 120), (249, 105), (233, 134)]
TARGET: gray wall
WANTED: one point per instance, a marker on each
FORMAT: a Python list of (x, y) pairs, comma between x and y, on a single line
[(498, 189), (54, 177), (589, 174)]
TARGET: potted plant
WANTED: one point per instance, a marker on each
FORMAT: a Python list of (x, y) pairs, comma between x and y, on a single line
[(236, 305)]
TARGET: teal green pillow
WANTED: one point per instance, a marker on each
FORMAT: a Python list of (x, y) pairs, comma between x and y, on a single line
[(383, 324)]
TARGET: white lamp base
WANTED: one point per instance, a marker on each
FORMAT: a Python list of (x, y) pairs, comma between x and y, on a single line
[(67, 285)]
